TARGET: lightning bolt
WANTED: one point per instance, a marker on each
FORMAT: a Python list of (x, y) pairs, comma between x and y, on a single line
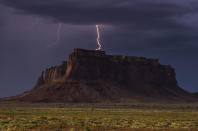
[(58, 33), (58, 37), (98, 38)]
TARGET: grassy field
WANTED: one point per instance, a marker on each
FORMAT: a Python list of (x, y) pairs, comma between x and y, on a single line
[(85, 117)]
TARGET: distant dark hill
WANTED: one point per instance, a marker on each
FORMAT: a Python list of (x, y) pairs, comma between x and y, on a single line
[(94, 77), (195, 94)]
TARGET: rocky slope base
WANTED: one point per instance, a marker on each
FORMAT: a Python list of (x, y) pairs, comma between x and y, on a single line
[(94, 77)]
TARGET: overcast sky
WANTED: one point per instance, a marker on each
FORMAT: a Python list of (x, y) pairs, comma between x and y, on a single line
[(164, 29)]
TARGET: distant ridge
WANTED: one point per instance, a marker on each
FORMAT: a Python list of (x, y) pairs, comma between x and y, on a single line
[(91, 76), (195, 94)]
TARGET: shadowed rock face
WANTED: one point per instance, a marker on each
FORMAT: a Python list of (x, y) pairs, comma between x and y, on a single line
[(96, 65), (195, 94), (92, 76)]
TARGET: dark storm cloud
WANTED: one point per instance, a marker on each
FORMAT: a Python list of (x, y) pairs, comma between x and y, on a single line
[(1, 14), (170, 20), (136, 13)]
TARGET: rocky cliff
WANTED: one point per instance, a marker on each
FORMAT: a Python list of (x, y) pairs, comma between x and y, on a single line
[(92, 76)]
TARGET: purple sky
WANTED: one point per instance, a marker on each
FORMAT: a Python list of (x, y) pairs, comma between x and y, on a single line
[(167, 30)]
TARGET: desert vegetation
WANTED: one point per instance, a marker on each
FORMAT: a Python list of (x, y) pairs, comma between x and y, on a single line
[(88, 117)]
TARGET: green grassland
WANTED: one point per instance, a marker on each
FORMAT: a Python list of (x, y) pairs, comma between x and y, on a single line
[(100, 117)]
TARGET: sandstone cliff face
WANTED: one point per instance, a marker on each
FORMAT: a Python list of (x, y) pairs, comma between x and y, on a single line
[(93, 76), (96, 65), (52, 74)]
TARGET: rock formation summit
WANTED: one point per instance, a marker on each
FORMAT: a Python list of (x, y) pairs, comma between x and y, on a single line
[(91, 76)]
